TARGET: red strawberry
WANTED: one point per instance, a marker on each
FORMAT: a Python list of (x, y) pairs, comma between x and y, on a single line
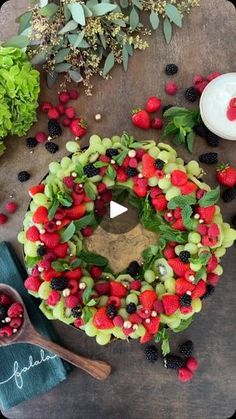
[(135, 318), (32, 234), (209, 241), (78, 127), (40, 216), (76, 274), (75, 212), (169, 252), (51, 240), (188, 188), (182, 286), (48, 275), (199, 290), (178, 266), (53, 298), (178, 178), (141, 119), (178, 225), (226, 175), (61, 250), (146, 338), (102, 288), (207, 213), (64, 223), (158, 306), (170, 303), (118, 289), (101, 319), (147, 299), (160, 203), (152, 324), (213, 230), (153, 104)]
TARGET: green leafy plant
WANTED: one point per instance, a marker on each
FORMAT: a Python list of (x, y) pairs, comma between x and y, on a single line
[(19, 90)]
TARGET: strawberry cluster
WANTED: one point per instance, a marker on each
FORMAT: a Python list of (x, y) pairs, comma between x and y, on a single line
[(75, 285), (11, 315)]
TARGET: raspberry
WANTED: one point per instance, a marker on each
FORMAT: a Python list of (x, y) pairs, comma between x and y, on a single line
[(95, 272), (157, 123), (135, 285), (6, 331), (121, 175), (70, 112), (158, 306), (15, 310), (5, 299), (78, 322), (60, 109), (199, 87), (32, 234), (87, 231), (53, 298), (53, 113), (184, 375), (16, 323), (213, 76), (213, 279), (102, 288), (160, 203), (45, 106), (66, 122), (153, 104), (11, 207), (68, 182), (23, 176), (192, 364), (198, 79), (101, 187), (3, 218), (171, 88), (71, 301), (118, 321), (41, 137), (64, 97), (73, 94), (134, 318), (32, 283)]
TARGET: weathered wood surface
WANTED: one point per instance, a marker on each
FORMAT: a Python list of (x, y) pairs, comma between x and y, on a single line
[(136, 389)]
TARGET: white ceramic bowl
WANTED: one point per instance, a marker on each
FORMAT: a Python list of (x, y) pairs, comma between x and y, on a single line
[(214, 103)]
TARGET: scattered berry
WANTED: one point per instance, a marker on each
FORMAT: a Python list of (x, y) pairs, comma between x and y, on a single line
[(208, 158), (23, 176), (73, 94), (209, 291), (186, 348), (226, 175), (53, 113), (11, 207), (54, 128), (70, 112), (151, 353), (78, 127), (157, 123), (60, 108), (171, 88), (64, 97), (184, 375), (141, 119), (201, 130), (173, 362), (229, 194), (66, 122), (153, 104), (51, 147), (45, 106), (31, 142), (41, 137), (171, 69), (192, 364), (191, 94), (212, 139)]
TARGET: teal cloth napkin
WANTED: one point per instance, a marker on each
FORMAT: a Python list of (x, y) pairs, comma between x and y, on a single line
[(26, 370)]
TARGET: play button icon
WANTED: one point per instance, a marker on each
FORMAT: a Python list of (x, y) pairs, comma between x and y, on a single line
[(116, 209)]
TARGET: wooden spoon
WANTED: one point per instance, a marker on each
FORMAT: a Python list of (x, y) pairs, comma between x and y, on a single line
[(27, 334)]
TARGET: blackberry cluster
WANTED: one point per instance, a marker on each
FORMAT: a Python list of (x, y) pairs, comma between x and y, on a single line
[(59, 284), (90, 170), (131, 171), (54, 128), (173, 362), (131, 308), (165, 108), (159, 164), (212, 139), (111, 311), (41, 251), (184, 256), (151, 353), (133, 268), (23, 176), (185, 300), (51, 147), (171, 69), (229, 194), (31, 142), (208, 158), (3, 311), (186, 348), (201, 130), (191, 94), (77, 311), (209, 291), (111, 152)]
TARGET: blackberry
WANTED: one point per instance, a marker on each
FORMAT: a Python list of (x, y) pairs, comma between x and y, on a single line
[(59, 284), (173, 362), (23, 176), (131, 171), (229, 194), (133, 268), (90, 170), (191, 94), (31, 142), (201, 130), (212, 139), (209, 291), (77, 311), (186, 348), (41, 251), (111, 311), (3, 311), (51, 147), (131, 308), (152, 353), (111, 152), (208, 158), (54, 128), (171, 69), (185, 300), (233, 221), (159, 164), (184, 256), (165, 108)]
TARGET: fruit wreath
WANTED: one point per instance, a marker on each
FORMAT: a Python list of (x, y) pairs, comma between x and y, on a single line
[(162, 292)]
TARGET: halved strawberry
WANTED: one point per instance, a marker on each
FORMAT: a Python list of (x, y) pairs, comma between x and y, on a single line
[(146, 337), (149, 169), (178, 178), (178, 266), (199, 290), (212, 263), (160, 202), (76, 274), (51, 240), (188, 188), (36, 189), (182, 286), (178, 225), (170, 303), (49, 274), (61, 250), (153, 326), (118, 289), (101, 319), (40, 216), (207, 213), (147, 299), (75, 212)]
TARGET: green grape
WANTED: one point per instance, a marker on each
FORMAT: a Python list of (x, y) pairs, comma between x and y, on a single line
[(54, 167), (220, 252), (167, 156), (194, 168), (108, 181), (153, 181), (90, 329), (229, 234), (191, 248), (124, 277), (96, 148), (58, 310), (72, 146), (179, 248), (195, 266), (194, 237), (103, 301), (170, 285), (95, 139), (95, 179), (123, 303), (107, 142), (89, 206), (149, 276), (47, 311), (180, 161), (93, 157), (185, 316), (146, 287), (140, 330), (115, 139), (60, 174), (172, 192), (164, 183), (88, 281), (169, 167), (164, 318), (44, 290), (65, 162), (174, 324), (118, 333), (196, 305), (33, 206), (132, 298), (218, 270), (67, 320), (123, 313), (134, 335), (30, 249), (103, 338), (40, 199), (154, 152), (21, 237), (160, 289), (228, 244)]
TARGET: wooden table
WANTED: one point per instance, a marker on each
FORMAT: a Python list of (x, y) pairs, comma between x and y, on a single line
[(136, 389)]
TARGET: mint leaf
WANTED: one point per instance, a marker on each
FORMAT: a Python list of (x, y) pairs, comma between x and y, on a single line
[(75, 264), (85, 221), (199, 274), (120, 157), (87, 314), (53, 209), (190, 140), (181, 201), (99, 164), (90, 190), (60, 265), (64, 199), (86, 295), (170, 234), (186, 216), (210, 198), (163, 337), (110, 172), (92, 303), (68, 233), (184, 324), (91, 258), (31, 261)]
